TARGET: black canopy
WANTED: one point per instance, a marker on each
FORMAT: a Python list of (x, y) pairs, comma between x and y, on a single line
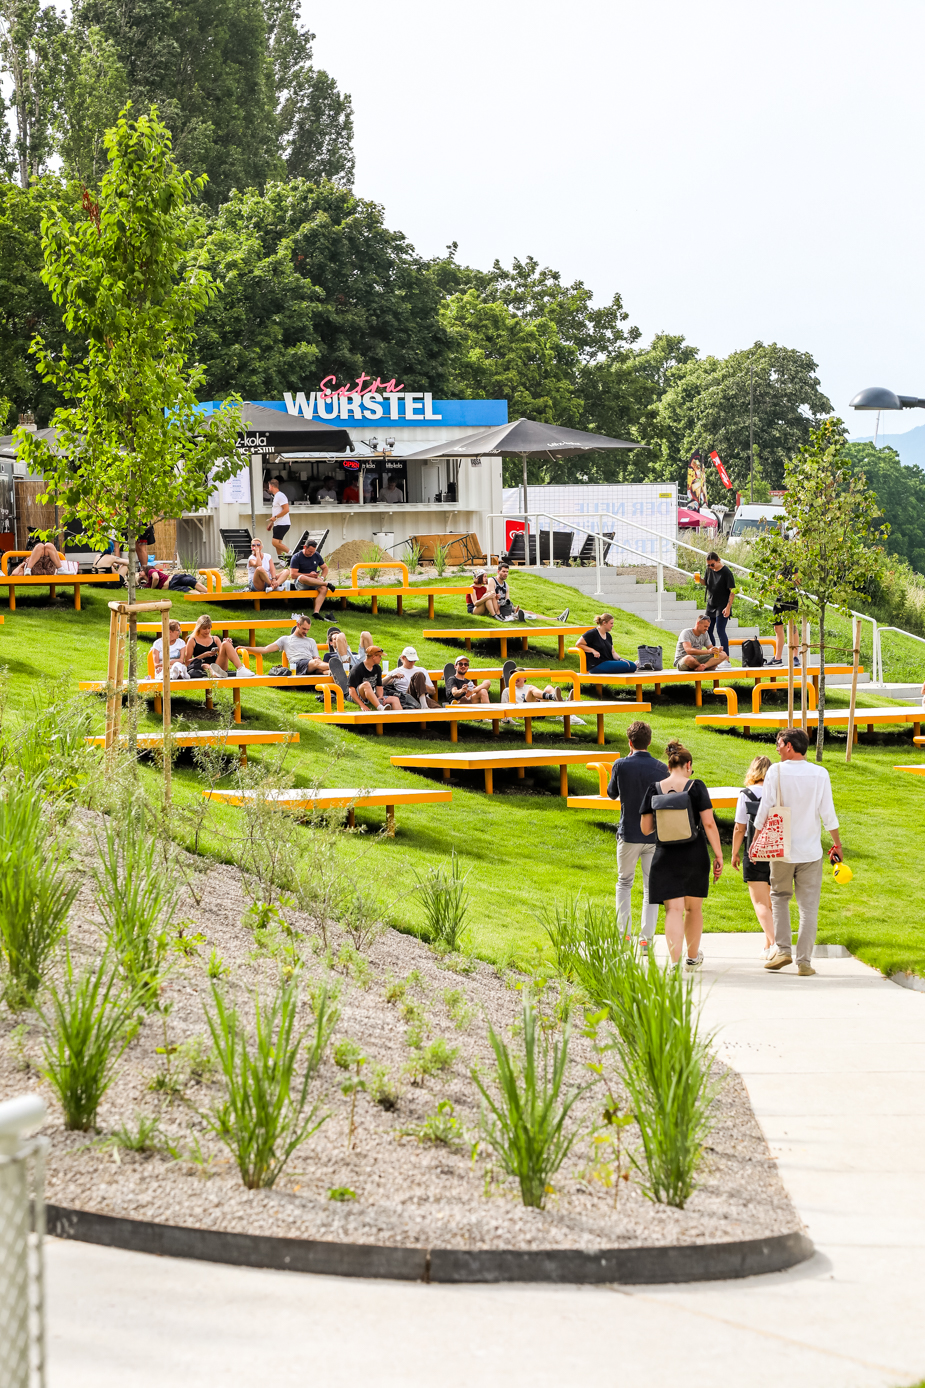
[(273, 431), (526, 437)]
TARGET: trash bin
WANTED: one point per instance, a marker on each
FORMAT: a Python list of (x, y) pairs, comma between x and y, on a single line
[(385, 539)]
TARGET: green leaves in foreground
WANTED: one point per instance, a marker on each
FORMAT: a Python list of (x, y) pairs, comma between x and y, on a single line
[(87, 1030), (525, 1122), (266, 1115), (36, 891)]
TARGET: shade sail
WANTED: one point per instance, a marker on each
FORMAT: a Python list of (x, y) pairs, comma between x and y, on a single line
[(524, 437)]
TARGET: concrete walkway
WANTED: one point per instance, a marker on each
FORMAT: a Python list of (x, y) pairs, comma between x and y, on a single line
[(835, 1068)]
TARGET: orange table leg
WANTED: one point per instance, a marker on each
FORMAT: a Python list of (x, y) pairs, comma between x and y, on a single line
[(561, 647), (430, 605), (236, 695), (524, 645), (503, 647), (469, 644), (454, 726), (916, 730), (856, 739), (375, 604), (351, 819), (870, 729), (521, 773), (528, 731), (12, 592), (747, 731), (343, 604), (567, 724), (398, 601), (639, 693), (157, 703), (563, 780), (496, 727), (489, 781), (76, 597), (243, 754), (600, 730), (257, 604), (208, 698), (378, 729), (252, 636), (658, 692), (445, 772)]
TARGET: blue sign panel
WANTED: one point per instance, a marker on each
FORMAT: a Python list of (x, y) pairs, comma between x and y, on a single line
[(408, 408)]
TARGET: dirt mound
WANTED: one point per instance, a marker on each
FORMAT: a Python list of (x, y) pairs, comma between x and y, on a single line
[(354, 552)]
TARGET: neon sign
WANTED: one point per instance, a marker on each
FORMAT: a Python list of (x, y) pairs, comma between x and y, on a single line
[(365, 399)]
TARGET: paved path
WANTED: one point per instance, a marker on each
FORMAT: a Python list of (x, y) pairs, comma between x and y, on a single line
[(834, 1065)]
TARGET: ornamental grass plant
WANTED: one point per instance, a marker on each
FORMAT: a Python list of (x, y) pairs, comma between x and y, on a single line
[(37, 890), (88, 1026), (134, 897)]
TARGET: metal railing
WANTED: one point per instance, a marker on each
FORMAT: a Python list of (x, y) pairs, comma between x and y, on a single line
[(22, 1226)]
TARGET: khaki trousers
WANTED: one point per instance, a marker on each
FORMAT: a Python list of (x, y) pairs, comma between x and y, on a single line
[(805, 881), (628, 855)]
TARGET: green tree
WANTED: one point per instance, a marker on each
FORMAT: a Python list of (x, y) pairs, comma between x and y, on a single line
[(130, 443), (32, 49), (900, 490), (360, 300), (208, 69), (706, 406), (95, 91), (834, 553), (314, 119)]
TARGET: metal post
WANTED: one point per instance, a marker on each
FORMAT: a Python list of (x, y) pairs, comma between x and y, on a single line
[(751, 432), (852, 705), (876, 658), (22, 1226), (659, 586), (804, 662), (250, 487), (165, 698), (599, 554)]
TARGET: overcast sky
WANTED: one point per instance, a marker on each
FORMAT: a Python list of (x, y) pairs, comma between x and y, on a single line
[(736, 171)]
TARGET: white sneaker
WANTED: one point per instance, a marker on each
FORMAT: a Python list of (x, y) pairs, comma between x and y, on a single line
[(245, 673), (582, 722), (724, 665), (695, 963)]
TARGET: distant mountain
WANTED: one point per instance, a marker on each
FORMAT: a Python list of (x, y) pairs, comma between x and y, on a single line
[(910, 447)]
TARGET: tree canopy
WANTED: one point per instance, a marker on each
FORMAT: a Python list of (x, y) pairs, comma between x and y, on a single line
[(900, 492)]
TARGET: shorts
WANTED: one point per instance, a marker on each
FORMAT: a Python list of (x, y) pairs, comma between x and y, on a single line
[(280, 532), (780, 607), (700, 659), (755, 872), (147, 538)]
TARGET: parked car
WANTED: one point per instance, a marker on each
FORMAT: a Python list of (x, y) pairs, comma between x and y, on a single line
[(755, 520)]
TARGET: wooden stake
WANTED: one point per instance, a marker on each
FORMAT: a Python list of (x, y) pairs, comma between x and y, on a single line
[(114, 620), (165, 698), (804, 661), (791, 648), (855, 660)]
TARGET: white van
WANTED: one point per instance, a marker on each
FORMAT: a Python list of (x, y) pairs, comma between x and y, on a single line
[(752, 521)]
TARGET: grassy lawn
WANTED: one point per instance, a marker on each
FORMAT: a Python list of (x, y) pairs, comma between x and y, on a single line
[(522, 847)]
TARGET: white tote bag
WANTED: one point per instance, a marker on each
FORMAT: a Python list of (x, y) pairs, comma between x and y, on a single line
[(772, 841)]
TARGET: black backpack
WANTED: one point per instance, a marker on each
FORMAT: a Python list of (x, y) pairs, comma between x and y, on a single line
[(675, 818), (752, 801), (752, 654)]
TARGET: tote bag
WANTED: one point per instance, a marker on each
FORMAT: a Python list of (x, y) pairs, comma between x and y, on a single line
[(772, 840)]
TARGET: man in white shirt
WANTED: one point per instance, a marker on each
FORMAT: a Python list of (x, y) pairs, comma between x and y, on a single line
[(391, 492), (400, 678), (807, 791), (301, 650), (279, 518)]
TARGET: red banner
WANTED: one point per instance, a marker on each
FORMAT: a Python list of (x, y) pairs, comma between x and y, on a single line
[(724, 475)]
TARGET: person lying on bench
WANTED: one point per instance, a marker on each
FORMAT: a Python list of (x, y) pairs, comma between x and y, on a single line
[(261, 571), (301, 650), (365, 684), (695, 651), (176, 654), (206, 655), (43, 561), (531, 693), (304, 569), (338, 645), (460, 689)]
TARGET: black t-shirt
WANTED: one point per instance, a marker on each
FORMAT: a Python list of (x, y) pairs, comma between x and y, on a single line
[(719, 583), (600, 643), (700, 797), (361, 675), (306, 563), (458, 684)]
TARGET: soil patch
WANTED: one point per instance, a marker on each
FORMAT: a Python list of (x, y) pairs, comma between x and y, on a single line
[(407, 1192)]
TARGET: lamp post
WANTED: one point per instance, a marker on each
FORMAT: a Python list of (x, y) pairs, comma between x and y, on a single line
[(879, 398)]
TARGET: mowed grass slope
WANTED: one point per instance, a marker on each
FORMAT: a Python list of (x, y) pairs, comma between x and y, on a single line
[(521, 847)]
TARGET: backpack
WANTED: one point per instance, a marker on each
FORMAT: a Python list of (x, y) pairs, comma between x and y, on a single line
[(675, 819), (649, 657), (752, 801), (752, 654)]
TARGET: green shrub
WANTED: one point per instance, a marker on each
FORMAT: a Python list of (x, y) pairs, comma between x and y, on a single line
[(266, 1115), (441, 559), (135, 898), (442, 1126), (86, 1033), (446, 903), (230, 565), (36, 891), (525, 1123)]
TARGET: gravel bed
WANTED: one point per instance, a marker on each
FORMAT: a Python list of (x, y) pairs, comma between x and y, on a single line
[(408, 1192)]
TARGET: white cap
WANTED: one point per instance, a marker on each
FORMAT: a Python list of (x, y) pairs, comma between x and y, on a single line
[(409, 653)]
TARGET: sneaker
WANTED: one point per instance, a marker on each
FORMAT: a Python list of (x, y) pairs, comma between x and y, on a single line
[(338, 673), (27, 570), (519, 615), (723, 665), (778, 959), (245, 673), (767, 951), (563, 616), (558, 695), (579, 722), (775, 661), (695, 963), (506, 720), (805, 970), (217, 672)]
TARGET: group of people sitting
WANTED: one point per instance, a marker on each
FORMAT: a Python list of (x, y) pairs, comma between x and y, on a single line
[(305, 570)]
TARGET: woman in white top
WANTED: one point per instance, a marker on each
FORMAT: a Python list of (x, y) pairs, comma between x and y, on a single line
[(176, 654), (261, 571), (757, 876)]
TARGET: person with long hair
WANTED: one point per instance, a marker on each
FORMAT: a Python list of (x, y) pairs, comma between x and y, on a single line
[(757, 876), (597, 645), (206, 655), (679, 877), (261, 571)]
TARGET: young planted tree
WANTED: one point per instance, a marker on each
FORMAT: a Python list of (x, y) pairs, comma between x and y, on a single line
[(835, 523), (131, 444)]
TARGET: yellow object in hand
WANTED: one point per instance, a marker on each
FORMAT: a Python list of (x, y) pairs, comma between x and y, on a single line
[(842, 873)]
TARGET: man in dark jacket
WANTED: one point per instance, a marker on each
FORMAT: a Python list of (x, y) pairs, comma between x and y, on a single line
[(629, 780)]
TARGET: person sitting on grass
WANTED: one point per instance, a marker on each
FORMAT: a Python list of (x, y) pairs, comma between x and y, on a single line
[(365, 684), (176, 654), (304, 569), (459, 688), (207, 656), (44, 560), (695, 651), (301, 650), (597, 645), (480, 602), (261, 570)]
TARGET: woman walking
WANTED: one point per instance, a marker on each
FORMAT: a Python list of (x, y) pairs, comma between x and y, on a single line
[(756, 875), (679, 877)]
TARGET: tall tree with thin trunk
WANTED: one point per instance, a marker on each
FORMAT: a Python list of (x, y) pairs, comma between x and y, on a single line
[(834, 524), (132, 443), (33, 40)]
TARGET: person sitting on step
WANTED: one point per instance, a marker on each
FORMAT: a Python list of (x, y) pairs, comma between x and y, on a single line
[(301, 650), (459, 688), (207, 656)]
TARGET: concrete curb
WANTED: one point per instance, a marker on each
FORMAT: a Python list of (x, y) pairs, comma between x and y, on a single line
[(679, 1263)]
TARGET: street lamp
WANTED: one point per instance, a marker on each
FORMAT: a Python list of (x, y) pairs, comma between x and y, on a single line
[(879, 398)]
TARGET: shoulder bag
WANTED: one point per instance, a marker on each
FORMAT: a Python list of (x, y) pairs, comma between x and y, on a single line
[(772, 840)]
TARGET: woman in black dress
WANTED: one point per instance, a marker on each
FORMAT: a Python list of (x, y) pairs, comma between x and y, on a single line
[(680, 874)]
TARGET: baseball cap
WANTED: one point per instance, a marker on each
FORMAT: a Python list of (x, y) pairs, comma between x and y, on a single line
[(374, 650), (409, 653)]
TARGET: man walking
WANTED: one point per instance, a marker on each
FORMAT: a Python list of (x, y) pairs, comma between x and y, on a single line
[(807, 791), (720, 584), (629, 780)]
